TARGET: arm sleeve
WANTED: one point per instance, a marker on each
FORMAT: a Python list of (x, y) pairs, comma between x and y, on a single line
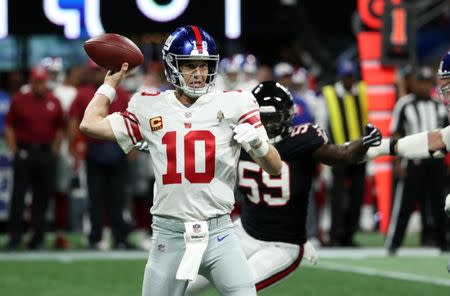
[(306, 139), (250, 114), (126, 127)]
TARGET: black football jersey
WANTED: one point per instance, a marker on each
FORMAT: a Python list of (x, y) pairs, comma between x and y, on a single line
[(275, 207)]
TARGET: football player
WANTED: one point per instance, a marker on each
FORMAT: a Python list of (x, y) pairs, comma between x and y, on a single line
[(272, 226), (434, 143), (194, 137)]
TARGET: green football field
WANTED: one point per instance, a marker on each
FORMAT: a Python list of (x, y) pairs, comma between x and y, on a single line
[(339, 272)]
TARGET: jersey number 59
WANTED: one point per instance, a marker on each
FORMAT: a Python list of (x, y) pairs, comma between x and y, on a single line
[(257, 189)]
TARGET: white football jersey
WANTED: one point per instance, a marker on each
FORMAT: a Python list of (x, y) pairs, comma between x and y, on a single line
[(192, 148)]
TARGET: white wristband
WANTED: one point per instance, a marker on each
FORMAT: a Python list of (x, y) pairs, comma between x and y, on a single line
[(108, 91), (414, 146), (262, 150)]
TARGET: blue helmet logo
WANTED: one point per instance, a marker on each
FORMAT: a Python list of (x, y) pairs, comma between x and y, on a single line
[(444, 67)]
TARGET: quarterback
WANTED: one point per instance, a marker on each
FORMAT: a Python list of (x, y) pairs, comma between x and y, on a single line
[(194, 136)]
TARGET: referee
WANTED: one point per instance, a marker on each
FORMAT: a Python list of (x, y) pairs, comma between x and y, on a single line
[(425, 179)]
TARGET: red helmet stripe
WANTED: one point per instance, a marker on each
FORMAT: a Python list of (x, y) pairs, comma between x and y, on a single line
[(198, 38)]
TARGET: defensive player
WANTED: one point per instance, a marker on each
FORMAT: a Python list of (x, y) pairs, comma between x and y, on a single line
[(272, 226), (194, 137)]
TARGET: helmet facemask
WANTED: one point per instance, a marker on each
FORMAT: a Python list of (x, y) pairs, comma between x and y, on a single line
[(276, 123), (444, 94), (173, 63)]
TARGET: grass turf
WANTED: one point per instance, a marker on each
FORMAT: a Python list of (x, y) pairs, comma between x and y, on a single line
[(123, 277)]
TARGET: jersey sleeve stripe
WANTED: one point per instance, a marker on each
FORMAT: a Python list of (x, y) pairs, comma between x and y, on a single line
[(126, 120), (254, 119), (132, 116), (259, 124), (246, 115), (135, 130), (132, 125)]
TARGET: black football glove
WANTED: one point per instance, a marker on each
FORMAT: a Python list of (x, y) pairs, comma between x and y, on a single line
[(372, 137), (142, 146)]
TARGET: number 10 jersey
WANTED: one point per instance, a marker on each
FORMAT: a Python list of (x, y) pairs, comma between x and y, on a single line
[(192, 148)]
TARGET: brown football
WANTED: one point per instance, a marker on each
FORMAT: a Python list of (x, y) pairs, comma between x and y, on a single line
[(110, 51)]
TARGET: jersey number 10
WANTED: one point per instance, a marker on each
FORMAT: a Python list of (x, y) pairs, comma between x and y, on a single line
[(173, 176)]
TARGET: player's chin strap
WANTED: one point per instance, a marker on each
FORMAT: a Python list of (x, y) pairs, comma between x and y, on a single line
[(196, 239)]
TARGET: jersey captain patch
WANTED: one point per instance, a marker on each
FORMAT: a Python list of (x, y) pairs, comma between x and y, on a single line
[(156, 123)]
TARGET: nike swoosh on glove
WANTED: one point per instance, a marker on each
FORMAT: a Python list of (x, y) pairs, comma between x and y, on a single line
[(246, 133), (373, 136), (142, 146)]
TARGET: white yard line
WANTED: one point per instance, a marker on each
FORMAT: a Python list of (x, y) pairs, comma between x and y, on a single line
[(67, 256), (356, 253), (381, 273), (348, 253)]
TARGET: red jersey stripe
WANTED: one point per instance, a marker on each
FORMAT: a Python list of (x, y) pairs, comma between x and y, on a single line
[(136, 132), (132, 125), (282, 274), (131, 116), (252, 120), (249, 113), (198, 38), (258, 125), (130, 134)]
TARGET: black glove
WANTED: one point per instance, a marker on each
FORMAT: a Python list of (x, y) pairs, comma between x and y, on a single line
[(142, 146), (372, 137)]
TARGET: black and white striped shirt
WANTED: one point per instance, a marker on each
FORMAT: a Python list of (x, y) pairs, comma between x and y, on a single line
[(411, 116)]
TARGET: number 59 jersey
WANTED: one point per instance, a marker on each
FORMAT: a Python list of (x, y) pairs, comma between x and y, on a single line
[(275, 208), (192, 148)]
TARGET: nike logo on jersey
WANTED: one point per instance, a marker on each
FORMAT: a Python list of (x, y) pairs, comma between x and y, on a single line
[(221, 238)]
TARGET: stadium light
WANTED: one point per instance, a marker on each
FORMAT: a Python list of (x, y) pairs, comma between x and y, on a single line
[(3, 18), (162, 13), (70, 18), (233, 19)]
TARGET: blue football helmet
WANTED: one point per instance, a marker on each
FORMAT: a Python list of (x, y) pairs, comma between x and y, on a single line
[(189, 43), (444, 77)]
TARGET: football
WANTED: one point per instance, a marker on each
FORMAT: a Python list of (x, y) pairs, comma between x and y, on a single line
[(110, 51)]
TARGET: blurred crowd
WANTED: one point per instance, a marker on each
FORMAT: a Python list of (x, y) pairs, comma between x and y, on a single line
[(69, 183)]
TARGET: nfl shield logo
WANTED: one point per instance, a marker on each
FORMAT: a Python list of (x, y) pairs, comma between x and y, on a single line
[(197, 228)]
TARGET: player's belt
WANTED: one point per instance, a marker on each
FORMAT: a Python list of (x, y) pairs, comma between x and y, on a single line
[(178, 226)]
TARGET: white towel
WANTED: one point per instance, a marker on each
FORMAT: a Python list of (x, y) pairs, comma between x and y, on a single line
[(196, 240)]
